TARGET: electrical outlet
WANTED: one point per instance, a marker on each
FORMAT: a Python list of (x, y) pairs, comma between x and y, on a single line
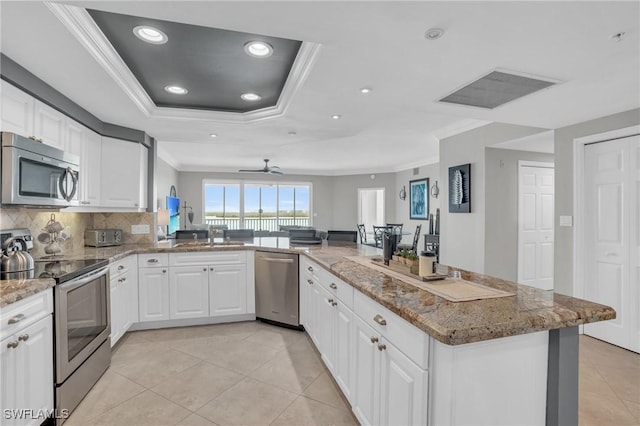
[(140, 229), (566, 221)]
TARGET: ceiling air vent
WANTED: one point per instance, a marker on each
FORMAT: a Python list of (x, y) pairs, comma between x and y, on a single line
[(497, 88)]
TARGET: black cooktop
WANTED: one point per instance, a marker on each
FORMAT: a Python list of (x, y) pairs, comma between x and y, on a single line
[(64, 270)]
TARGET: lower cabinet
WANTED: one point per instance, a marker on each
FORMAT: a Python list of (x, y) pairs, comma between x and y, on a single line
[(26, 361), (227, 290), (153, 291), (382, 383), (123, 297), (188, 292)]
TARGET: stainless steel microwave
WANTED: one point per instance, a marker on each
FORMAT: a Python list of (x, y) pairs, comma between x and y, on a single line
[(34, 174)]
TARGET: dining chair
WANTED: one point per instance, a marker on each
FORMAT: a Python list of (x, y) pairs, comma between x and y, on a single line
[(378, 234), (416, 239), (238, 234), (363, 233), (342, 236)]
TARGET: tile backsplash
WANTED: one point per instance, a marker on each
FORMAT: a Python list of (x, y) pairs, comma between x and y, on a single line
[(74, 225)]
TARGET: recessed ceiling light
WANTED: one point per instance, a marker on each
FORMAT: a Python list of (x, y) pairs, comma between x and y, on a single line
[(258, 49), (251, 97), (433, 33), (176, 90), (213, 135), (366, 90), (150, 34), (336, 116)]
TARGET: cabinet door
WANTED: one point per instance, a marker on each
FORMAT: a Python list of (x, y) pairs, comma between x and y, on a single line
[(49, 125), (143, 162), (116, 312), (343, 342), (16, 110), (365, 363), (9, 384), (35, 366), (314, 297), (403, 389), (131, 295), (120, 166), (189, 292), (227, 290), (325, 316), (74, 137), (90, 168), (153, 294)]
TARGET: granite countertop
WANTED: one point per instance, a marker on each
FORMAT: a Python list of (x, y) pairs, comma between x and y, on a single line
[(13, 290), (452, 323)]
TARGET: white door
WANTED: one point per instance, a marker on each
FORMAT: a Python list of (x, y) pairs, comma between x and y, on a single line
[(611, 260), (371, 209), (535, 225)]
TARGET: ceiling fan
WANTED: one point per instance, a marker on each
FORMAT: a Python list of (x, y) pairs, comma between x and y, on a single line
[(271, 170)]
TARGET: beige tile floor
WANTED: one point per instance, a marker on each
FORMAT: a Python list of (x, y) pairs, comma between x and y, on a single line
[(256, 374)]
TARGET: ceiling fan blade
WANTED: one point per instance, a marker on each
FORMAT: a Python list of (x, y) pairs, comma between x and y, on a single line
[(275, 172), (252, 171)]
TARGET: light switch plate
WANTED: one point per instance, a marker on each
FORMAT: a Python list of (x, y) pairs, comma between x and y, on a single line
[(566, 221), (139, 229)]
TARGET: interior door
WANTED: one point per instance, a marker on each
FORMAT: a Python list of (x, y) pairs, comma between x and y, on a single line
[(371, 208), (535, 226), (612, 193)]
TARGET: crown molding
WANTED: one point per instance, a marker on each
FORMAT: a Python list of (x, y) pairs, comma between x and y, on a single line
[(78, 21)]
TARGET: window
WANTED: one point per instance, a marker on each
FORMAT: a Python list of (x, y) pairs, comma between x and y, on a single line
[(261, 206)]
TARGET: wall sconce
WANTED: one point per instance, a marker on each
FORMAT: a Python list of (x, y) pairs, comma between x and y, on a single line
[(403, 193), (435, 191)]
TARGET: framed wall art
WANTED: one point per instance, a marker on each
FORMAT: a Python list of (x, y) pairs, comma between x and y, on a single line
[(419, 199), (460, 189)]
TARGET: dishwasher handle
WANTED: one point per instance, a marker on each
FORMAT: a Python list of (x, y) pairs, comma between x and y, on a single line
[(276, 260)]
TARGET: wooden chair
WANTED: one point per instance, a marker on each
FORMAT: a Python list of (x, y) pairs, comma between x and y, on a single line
[(416, 238), (363, 233)]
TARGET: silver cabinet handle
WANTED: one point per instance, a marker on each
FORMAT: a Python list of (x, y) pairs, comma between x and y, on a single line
[(120, 268), (164, 271), (119, 280), (333, 286), (334, 303), (12, 345), (24, 337), (309, 282), (310, 269), (124, 279), (277, 260), (382, 347), (330, 301), (16, 319), (374, 339), (152, 261), (380, 319)]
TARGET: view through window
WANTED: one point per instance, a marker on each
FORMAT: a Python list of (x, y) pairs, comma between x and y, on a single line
[(259, 206)]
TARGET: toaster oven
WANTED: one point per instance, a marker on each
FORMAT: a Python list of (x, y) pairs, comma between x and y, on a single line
[(102, 237)]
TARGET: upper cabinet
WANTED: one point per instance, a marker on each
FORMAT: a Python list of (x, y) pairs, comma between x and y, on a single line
[(50, 125), (124, 173), (90, 169), (16, 111)]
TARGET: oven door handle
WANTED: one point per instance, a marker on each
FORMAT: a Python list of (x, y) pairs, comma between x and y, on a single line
[(84, 279)]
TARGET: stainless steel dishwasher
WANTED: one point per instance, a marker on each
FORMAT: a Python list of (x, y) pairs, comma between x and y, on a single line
[(277, 288)]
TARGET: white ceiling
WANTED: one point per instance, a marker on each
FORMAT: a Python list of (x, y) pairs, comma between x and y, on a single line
[(375, 44)]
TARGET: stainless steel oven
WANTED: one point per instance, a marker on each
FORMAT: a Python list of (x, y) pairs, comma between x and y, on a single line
[(82, 329), (34, 174)]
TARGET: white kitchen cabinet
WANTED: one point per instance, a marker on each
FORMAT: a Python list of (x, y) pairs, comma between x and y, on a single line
[(74, 137), (325, 319), (153, 284), (90, 169), (124, 296), (227, 290), (308, 295), (389, 388), (26, 355), (50, 125), (124, 174), (189, 292), (16, 110), (344, 339)]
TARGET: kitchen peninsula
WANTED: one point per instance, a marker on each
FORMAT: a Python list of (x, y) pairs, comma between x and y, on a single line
[(435, 361)]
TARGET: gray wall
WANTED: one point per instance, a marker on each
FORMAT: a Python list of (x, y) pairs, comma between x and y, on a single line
[(166, 176), (563, 272), (462, 234), (431, 171), (501, 212), (345, 198)]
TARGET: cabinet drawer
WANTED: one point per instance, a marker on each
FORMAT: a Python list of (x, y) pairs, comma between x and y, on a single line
[(336, 287), (152, 260), (208, 258), (412, 341), (25, 312), (123, 266)]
